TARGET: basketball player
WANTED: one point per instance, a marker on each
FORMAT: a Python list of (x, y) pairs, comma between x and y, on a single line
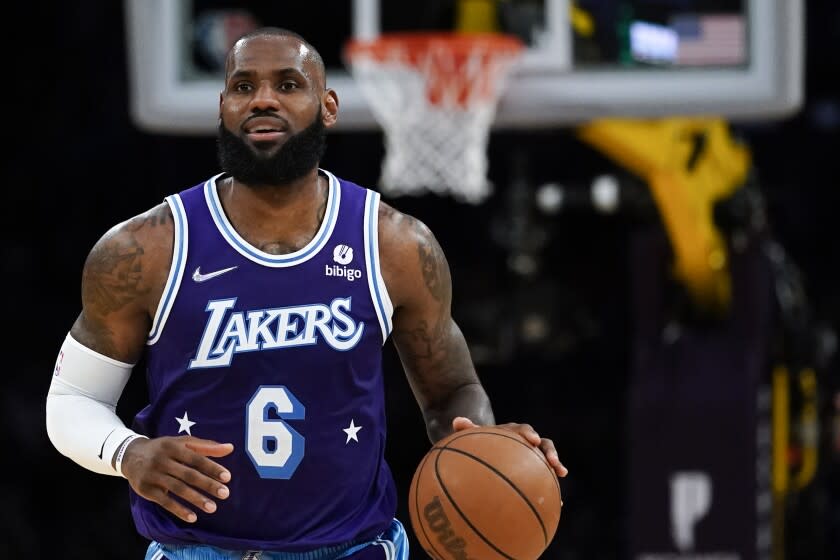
[(262, 298)]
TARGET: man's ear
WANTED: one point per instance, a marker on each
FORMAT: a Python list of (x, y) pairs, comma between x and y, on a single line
[(329, 108)]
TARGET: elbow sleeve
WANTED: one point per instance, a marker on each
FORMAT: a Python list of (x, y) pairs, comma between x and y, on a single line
[(81, 418)]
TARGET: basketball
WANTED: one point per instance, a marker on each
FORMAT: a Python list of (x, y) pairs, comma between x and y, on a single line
[(484, 493)]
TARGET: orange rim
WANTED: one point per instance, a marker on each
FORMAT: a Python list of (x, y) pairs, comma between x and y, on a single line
[(417, 43), (442, 58)]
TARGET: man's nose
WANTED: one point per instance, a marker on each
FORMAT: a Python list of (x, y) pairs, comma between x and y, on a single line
[(265, 97)]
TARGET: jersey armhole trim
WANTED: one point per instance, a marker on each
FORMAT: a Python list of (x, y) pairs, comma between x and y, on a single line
[(378, 291), (176, 269)]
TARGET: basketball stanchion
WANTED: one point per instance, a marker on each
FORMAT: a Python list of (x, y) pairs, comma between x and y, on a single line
[(435, 96)]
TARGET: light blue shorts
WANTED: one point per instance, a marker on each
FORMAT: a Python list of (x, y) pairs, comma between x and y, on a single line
[(390, 545)]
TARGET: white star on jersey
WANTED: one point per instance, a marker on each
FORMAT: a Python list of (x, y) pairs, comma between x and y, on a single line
[(184, 424), (352, 432)]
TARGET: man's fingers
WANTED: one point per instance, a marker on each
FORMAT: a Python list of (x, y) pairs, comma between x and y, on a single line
[(180, 488), (203, 476), (167, 502), (529, 433), (209, 448), (525, 430), (544, 444), (161, 488), (550, 452), (196, 452), (462, 423)]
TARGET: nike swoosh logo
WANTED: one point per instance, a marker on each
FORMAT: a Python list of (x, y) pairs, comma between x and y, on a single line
[(199, 277), (102, 449)]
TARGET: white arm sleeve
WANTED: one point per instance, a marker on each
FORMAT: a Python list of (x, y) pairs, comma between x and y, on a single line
[(82, 422)]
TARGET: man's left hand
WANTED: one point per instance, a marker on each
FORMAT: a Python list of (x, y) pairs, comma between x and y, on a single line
[(529, 433)]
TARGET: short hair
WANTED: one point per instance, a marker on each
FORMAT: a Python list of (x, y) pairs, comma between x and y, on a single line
[(270, 31)]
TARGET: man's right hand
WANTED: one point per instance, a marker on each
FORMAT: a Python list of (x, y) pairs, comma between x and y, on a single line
[(160, 467)]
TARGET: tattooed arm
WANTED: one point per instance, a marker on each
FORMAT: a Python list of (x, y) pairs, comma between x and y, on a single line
[(431, 347), (122, 281)]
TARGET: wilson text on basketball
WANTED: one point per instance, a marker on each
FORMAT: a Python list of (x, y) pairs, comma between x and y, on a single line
[(439, 523)]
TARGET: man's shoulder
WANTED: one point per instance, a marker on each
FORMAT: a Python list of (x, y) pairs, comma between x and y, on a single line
[(394, 219), (152, 227), (140, 243), (395, 225), (401, 232)]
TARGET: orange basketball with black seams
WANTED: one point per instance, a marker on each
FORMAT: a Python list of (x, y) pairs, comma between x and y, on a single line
[(484, 493)]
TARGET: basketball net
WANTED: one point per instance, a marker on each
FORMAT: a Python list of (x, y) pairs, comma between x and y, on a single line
[(435, 97)]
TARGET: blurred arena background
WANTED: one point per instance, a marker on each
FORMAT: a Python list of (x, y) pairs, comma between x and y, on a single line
[(673, 328)]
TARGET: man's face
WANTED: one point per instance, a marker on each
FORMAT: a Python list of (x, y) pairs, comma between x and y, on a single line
[(271, 128)]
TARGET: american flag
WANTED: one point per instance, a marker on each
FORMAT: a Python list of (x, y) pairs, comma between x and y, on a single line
[(710, 39)]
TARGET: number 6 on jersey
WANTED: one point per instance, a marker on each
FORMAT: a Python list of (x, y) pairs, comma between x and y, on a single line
[(274, 447)]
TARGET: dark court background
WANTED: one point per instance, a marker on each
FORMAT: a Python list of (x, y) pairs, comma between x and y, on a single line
[(76, 165)]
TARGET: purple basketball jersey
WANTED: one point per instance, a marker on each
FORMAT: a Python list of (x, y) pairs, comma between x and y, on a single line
[(281, 356)]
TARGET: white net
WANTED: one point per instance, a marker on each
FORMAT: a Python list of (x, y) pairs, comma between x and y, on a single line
[(435, 98)]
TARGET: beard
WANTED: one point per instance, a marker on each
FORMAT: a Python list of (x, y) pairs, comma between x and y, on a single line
[(298, 156)]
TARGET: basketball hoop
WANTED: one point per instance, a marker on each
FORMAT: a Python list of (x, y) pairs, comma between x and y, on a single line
[(435, 96)]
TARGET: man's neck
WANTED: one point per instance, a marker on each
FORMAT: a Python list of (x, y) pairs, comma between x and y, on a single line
[(277, 219)]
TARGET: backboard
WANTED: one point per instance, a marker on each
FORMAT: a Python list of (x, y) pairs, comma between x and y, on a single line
[(586, 59)]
